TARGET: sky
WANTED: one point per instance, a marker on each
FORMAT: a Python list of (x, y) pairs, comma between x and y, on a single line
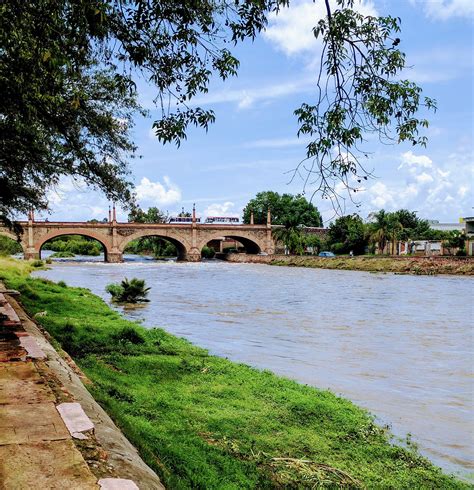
[(253, 145)]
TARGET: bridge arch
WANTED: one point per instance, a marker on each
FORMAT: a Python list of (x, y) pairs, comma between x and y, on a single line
[(253, 243), (100, 237), (181, 244)]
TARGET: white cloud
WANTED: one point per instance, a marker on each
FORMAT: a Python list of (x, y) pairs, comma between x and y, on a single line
[(409, 159), (157, 193), (441, 191), (248, 97), (447, 9), (381, 196), (291, 30), (66, 186), (424, 178), (224, 209)]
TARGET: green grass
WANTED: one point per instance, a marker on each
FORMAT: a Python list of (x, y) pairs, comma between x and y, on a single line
[(201, 421)]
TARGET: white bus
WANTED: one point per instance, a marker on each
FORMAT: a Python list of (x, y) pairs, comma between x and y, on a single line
[(183, 219), (222, 220)]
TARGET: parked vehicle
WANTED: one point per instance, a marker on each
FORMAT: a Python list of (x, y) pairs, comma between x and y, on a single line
[(326, 254)]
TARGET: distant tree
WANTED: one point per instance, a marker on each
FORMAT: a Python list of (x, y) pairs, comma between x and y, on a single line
[(394, 230), (454, 240), (348, 233), (313, 242), (379, 229), (292, 237), (152, 215), (413, 228), (184, 214), (286, 209)]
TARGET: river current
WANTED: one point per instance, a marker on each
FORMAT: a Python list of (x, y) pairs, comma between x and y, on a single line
[(400, 346)]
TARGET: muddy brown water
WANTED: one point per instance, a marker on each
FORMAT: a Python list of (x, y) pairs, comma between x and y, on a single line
[(401, 346)]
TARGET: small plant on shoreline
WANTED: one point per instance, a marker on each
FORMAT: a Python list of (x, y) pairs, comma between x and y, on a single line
[(129, 291)]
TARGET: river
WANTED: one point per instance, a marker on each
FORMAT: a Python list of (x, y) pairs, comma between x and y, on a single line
[(401, 346)]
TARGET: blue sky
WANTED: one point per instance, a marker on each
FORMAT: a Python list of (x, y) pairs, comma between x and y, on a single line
[(253, 146)]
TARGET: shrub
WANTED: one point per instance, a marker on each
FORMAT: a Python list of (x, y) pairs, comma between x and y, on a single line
[(207, 252), (62, 255), (62, 284), (9, 246), (338, 248), (170, 250), (37, 263), (133, 291)]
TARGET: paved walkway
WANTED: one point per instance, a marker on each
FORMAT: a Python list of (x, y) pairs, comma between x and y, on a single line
[(46, 439)]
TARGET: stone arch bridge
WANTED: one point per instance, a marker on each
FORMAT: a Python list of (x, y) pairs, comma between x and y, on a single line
[(189, 238)]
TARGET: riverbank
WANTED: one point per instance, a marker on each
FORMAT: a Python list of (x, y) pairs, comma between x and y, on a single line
[(399, 265), (53, 434), (202, 421)]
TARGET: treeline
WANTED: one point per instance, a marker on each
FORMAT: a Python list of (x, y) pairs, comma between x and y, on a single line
[(158, 247), (68, 245), (349, 233), (352, 233)]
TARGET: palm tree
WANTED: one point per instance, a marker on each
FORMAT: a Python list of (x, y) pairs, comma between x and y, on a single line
[(379, 230), (128, 291), (386, 226), (394, 230), (291, 235)]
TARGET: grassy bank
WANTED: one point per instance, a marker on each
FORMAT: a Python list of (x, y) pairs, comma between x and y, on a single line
[(204, 422), (401, 265)]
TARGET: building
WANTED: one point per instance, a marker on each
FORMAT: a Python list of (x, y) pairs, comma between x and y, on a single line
[(436, 225), (469, 230)]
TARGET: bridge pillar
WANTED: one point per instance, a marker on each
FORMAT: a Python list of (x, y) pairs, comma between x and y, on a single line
[(193, 255), (31, 254), (270, 250), (114, 257)]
